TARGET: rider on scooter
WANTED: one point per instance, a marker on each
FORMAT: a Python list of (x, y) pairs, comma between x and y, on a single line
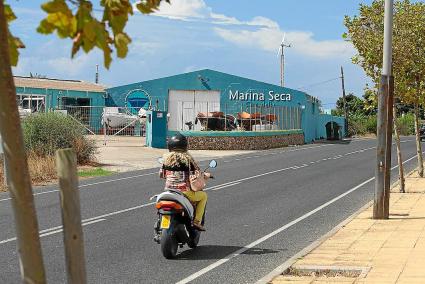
[(176, 171)]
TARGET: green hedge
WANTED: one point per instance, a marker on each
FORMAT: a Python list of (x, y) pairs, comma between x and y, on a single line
[(407, 124), (44, 133), (361, 125)]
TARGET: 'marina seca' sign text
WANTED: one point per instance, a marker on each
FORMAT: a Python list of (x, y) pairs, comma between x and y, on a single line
[(253, 96)]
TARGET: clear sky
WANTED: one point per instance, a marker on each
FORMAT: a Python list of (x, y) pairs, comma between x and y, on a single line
[(240, 37)]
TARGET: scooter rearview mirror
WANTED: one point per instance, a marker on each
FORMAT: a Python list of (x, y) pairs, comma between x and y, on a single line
[(213, 164)]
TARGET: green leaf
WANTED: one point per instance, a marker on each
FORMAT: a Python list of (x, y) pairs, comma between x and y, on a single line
[(107, 59), (14, 43), (122, 41), (10, 16), (149, 6), (59, 18)]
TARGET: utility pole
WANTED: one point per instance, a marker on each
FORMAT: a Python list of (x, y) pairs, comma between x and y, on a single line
[(384, 125), (97, 74), (345, 102)]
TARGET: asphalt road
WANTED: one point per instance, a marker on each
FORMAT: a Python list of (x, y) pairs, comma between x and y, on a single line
[(263, 208)]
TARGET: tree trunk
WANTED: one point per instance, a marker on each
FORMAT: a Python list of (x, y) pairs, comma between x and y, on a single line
[(19, 183), (418, 142), (399, 156)]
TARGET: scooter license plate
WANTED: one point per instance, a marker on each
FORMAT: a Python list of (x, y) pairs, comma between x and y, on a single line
[(165, 221)]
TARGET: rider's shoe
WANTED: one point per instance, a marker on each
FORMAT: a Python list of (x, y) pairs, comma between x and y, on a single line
[(198, 226)]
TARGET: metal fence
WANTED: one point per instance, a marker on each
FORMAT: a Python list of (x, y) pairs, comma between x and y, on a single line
[(229, 117), (185, 116), (111, 121)]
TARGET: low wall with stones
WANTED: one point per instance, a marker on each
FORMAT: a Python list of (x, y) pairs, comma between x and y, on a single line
[(244, 142)]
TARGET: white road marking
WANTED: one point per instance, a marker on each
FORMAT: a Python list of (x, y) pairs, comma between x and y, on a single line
[(90, 184), (7, 241), (119, 212), (54, 230), (272, 234), (227, 185)]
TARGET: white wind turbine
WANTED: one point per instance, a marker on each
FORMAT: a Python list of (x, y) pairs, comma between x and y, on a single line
[(281, 52)]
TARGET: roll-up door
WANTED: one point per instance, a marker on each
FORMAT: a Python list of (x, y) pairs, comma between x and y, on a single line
[(184, 105)]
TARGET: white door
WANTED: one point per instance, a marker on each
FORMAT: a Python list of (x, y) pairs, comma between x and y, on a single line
[(177, 100), (183, 107)]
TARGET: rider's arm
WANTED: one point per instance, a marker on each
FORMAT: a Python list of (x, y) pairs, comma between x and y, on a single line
[(194, 165), (162, 173)]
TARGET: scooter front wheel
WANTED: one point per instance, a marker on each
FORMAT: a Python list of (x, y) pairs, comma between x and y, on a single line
[(169, 244), (194, 239)]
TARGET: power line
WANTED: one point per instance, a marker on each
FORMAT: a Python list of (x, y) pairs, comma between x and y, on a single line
[(319, 83)]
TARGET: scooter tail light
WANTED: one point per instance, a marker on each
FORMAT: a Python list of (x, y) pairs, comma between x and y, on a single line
[(168, 205)]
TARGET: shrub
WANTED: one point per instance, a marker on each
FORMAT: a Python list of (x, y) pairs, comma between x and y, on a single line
[(45, 133), (355, 127), (407, 124), (370, 124), (361, 125)]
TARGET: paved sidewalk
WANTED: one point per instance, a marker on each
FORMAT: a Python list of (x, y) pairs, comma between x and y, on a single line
[(129, 153), (372, 251)]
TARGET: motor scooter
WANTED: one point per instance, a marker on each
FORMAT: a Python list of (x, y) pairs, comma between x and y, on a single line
[(174, 228)]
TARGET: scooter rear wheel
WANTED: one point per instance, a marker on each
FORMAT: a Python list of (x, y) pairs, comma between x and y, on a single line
[(169, 244)]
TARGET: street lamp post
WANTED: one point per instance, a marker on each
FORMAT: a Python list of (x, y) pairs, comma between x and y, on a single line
[(384, 125)]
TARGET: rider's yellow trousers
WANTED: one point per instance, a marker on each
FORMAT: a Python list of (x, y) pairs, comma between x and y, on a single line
[(199, 198)]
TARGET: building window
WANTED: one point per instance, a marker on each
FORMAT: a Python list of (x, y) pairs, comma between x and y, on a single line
[(78, 108), (35, 103), (69, 101)]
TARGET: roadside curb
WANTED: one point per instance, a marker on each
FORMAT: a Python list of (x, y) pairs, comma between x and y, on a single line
[(288, 263)]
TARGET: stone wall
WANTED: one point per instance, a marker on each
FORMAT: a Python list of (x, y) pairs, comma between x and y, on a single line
[(244, 142)]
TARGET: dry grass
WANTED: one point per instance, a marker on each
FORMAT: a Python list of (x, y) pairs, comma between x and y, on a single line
[(42, 170)]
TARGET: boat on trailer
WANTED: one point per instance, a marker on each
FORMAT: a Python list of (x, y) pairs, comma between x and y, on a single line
[(113, 118)]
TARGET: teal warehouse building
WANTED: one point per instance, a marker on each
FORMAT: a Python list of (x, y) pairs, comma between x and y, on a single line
[(184, 97), (83, 100)]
